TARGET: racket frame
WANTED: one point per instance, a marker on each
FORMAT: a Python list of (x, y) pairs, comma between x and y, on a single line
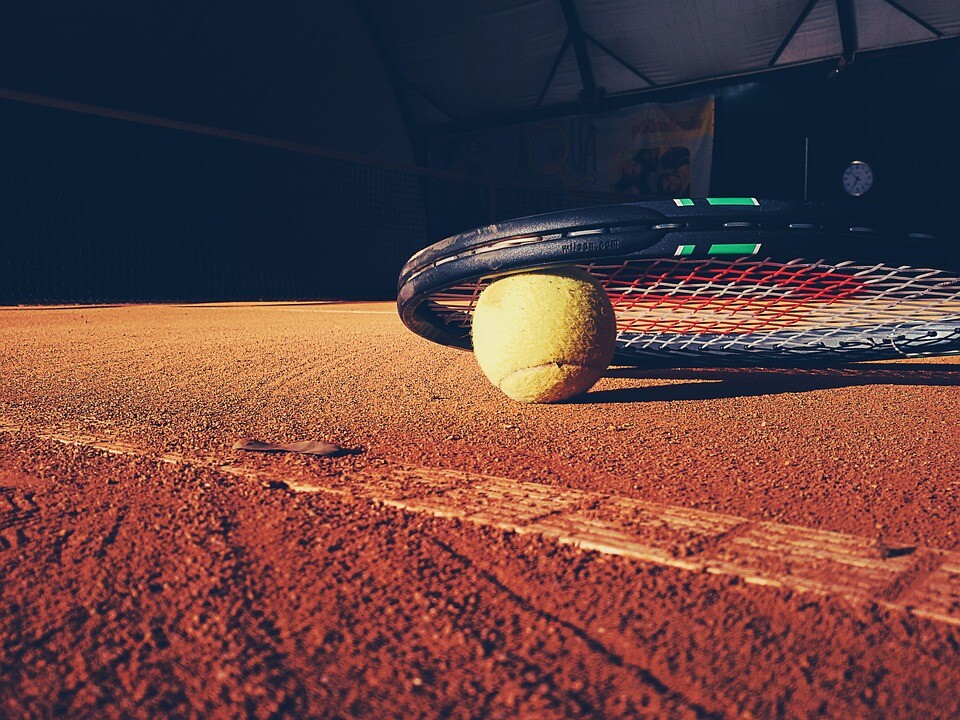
[(721, 229)]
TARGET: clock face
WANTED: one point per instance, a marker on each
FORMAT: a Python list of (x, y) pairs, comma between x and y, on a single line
[(857, 178)]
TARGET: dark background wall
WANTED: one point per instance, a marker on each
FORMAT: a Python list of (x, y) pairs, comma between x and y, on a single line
[(98, 209), (898, 111)]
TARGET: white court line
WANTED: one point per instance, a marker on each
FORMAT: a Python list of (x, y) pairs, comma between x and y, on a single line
[(336, 311), (921, 581), (357, 312)]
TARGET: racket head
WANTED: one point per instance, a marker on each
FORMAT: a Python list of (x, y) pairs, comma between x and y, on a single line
[(719, 282)]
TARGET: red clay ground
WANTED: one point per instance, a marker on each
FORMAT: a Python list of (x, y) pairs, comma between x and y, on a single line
[(135, 586)]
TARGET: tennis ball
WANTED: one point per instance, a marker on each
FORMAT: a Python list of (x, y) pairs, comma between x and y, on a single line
[(544, 336)]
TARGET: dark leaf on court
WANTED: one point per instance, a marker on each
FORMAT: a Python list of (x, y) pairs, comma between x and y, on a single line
[(308, 447)]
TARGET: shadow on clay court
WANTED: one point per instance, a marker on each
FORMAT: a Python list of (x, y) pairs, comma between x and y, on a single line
[(718, 383)]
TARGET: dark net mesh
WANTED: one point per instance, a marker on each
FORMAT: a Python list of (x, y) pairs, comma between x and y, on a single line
[(94, 209)]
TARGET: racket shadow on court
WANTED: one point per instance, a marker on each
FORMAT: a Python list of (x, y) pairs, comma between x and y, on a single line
[(721, 383)]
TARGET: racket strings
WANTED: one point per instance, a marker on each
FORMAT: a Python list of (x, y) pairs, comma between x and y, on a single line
[(737, 298), (663, 301), (750, 304), (692, 301)]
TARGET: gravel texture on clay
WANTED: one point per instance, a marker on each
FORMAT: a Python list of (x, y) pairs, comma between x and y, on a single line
[(133, 586)]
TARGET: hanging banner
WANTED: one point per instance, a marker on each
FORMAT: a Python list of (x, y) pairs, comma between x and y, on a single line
[(655, 150), (658, 150)]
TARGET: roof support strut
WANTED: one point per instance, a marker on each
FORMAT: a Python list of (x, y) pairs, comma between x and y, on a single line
[(619, 59), (414, 137), (916, 18), (575, 33), (553, 70), (793, 31), (847, 15)]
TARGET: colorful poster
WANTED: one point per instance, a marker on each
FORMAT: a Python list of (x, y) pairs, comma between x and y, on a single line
[(655, 150), (658, 150)]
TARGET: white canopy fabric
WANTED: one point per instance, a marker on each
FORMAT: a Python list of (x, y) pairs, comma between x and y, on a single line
[(366, 76), (474, 59)]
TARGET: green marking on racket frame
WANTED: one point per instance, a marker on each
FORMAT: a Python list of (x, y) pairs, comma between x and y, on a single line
[(683, 202), (734, 249), (685, 249), (733, 201)]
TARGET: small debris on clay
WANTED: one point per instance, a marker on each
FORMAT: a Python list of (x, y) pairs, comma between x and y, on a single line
[(276, 485), (884, 551), (309, 447)]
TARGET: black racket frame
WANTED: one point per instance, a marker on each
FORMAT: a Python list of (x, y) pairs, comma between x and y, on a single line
[(784, 229)]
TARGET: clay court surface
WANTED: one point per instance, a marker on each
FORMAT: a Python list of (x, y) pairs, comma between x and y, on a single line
[(684, 543)]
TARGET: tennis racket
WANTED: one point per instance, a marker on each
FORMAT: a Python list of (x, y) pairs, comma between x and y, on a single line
[(720, 281)]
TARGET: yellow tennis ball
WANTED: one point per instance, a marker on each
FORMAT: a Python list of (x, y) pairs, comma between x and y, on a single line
[(544, 336)]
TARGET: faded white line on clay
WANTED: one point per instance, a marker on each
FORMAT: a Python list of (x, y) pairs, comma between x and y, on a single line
[(760, 553)]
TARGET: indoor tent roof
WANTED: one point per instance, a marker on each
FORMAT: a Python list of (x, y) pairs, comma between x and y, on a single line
[(363, 76)]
